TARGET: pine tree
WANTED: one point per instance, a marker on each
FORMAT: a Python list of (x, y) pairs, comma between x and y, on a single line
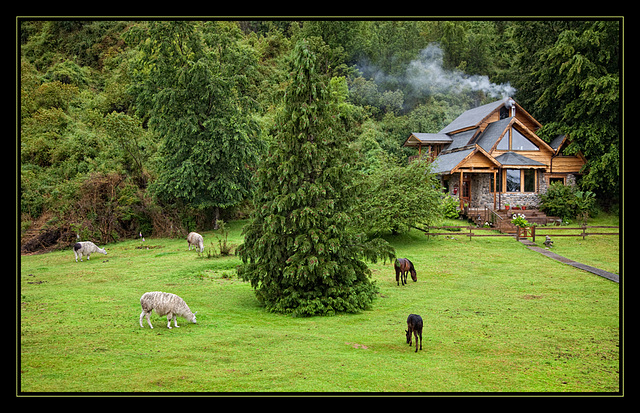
[(301, 252)]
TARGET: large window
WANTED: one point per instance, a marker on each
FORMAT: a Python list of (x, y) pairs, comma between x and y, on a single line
[(503, 145), (529, 180), (520, 143), (521, 180), (515, 141), (513, 180)]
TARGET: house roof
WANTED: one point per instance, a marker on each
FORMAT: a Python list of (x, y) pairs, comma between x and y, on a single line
[(557, 142), (470, 142), (461, 139), (415, 139), (472, 117), (517, 160), (492, 133), (444, 163)]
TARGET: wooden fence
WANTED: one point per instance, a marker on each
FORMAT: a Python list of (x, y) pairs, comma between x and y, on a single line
[(530, 232), (543, 231)]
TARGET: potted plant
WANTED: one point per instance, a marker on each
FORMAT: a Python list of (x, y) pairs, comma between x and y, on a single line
[(519, 220), (506, 207)]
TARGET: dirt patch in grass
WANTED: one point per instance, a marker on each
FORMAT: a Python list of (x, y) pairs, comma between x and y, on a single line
[(532, 297)]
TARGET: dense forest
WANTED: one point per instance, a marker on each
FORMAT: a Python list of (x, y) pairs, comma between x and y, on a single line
[(158, 127)]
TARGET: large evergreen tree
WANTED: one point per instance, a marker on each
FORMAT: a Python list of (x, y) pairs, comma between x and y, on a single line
[(300, 251), (191, 77), (569, 78)]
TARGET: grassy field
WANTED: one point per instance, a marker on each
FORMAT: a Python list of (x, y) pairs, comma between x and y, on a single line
[(498, 318)]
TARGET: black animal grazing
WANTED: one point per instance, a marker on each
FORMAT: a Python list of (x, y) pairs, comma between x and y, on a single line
[(402, 266), (414, 325)]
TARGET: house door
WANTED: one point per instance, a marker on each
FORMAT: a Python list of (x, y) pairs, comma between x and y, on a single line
[(466, 190)]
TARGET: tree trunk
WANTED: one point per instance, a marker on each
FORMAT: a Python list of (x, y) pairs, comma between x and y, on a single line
[(216, 218)]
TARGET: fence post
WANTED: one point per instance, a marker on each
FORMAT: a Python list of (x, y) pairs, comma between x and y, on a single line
[(584, 230), (470, 235), (533, 233)]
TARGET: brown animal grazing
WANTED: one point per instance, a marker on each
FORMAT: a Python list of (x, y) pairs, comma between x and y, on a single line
[(414, 325), (402, 266)]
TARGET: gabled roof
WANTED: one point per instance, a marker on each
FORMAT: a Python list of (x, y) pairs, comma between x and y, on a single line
[(470, 142), (461, 139), (472, 117), (444, 163), (416, 139), (514, 159), (492, 133)]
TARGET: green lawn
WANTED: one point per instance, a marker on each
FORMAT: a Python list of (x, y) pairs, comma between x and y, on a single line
[(498, 318), (600, 251)]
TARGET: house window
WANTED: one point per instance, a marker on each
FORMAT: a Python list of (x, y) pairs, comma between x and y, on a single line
[(515, 141), (503, 145), (521, 180), (529, 177), (513, 180), (520, 143)]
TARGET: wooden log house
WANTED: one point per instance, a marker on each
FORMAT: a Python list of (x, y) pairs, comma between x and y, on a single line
[(490, 156)]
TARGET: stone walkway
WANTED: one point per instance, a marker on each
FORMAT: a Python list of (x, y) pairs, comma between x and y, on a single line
[(597, 271)]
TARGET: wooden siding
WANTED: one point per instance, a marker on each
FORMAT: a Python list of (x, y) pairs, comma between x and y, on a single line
[(567, 164)]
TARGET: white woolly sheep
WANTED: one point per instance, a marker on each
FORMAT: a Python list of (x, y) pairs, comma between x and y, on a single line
[(86, 248), (165, 304), (195, 239)]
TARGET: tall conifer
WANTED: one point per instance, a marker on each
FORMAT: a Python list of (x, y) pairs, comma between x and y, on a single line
[(301, 253)]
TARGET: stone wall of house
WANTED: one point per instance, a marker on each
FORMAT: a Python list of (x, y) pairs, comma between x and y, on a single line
[(482, 196)]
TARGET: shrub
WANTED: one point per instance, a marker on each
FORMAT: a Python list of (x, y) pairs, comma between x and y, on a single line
[(450, 207), (566, 201), (559, 200)]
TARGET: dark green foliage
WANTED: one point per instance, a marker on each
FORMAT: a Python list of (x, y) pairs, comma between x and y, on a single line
[(191, 88), (559, 201), (566, 201), (301, 253), (153, 101), (569, 80)]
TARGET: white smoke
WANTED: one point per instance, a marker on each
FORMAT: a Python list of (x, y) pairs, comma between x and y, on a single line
[(427, 76)]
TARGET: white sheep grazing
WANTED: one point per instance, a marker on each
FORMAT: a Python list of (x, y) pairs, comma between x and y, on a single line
[(195, 239), (165, 304), (86, 248)]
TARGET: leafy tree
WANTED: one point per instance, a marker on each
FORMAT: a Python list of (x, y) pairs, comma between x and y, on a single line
[(192, 77), (301, 252), (396, 198)]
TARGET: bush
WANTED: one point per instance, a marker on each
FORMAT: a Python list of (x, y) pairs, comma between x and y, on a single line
[(566, 202), (396, 198), (450, 207), (559, 200)]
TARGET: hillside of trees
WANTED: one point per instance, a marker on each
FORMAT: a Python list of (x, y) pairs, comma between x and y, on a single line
[(157, 127)]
